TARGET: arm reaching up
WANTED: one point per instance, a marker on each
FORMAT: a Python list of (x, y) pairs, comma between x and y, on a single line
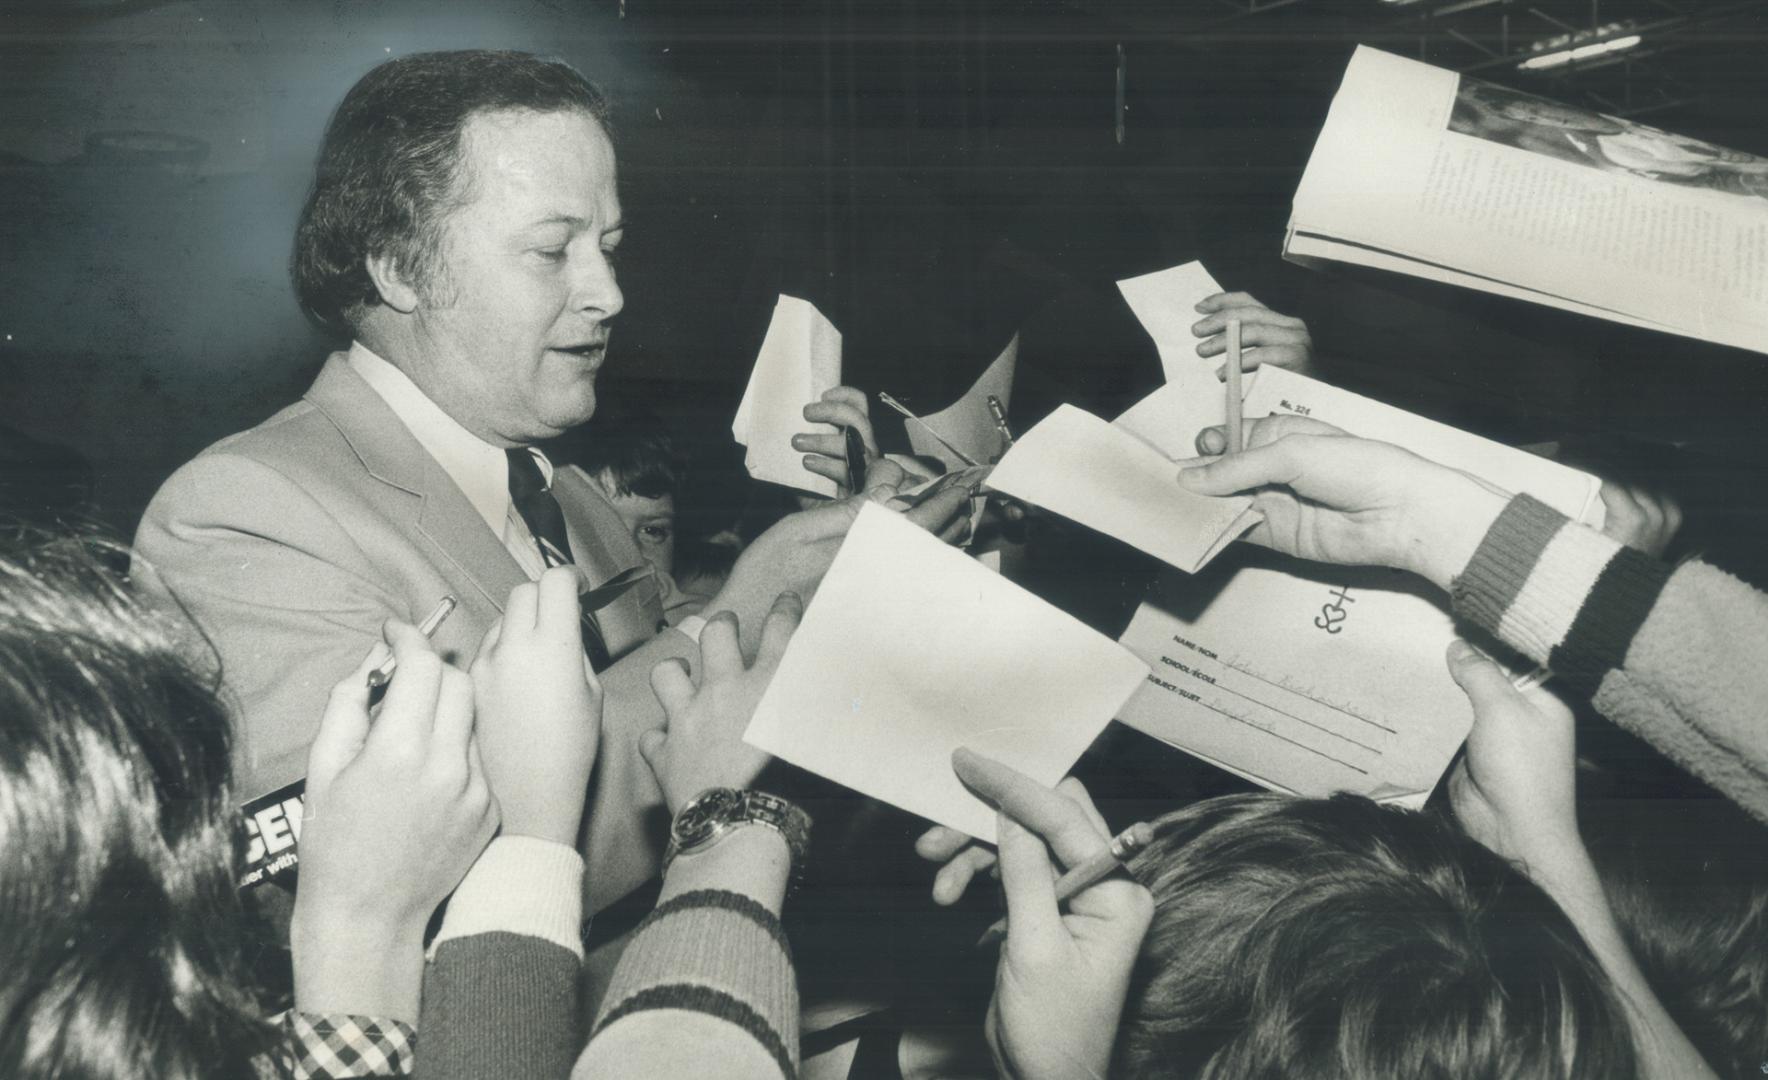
[(1515, 793)]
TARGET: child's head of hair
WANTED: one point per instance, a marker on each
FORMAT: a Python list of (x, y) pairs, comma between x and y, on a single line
[(630, 452), (120, 938), (1335, 938), (1688, 886)]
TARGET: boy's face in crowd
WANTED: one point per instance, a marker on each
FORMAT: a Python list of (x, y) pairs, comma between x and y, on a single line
[(652, 525)]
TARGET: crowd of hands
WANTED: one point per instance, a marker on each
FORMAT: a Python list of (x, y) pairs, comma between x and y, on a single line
[(403, 796)]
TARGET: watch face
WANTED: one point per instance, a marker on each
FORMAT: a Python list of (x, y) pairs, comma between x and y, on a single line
[(700, 819)]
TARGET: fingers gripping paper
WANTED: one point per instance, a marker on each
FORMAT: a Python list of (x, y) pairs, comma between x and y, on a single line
[(1165, 303), (1081, 467), (800, 358), (912, 649), (1317, 679)]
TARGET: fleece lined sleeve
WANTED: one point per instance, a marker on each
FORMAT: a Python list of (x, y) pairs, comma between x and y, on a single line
[(1678, 656)]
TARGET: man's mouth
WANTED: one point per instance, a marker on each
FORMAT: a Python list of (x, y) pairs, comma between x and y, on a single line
[(589, 351)]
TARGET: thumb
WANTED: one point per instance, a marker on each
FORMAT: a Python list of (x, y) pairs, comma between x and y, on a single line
[(1261, 466), (1481, 679), (650, 746)]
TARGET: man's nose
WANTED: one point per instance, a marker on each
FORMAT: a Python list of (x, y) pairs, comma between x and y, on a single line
[(597, 289)]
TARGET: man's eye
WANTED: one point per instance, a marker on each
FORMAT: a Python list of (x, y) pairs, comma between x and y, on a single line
[(551, 254), (656, 534)]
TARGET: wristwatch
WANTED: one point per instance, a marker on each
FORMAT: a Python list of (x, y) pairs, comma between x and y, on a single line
[(715, 813)]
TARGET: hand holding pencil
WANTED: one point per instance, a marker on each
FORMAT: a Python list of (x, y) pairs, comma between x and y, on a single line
[(1063, 977)]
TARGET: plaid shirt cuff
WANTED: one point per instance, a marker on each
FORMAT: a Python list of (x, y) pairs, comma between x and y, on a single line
[(335, 1046)]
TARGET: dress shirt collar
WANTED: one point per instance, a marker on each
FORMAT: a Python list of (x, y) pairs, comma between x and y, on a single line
[(479, 469)]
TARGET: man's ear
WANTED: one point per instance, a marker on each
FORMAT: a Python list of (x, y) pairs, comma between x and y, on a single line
[(390, 280)]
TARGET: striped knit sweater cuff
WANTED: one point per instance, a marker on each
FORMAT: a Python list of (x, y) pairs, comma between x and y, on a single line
[(714, 952), (520, 885), (1565, 595)]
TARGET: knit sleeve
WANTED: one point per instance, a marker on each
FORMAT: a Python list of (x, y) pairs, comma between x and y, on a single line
[(500, 991), (500, 1004), (705, 988), (1672, 655)]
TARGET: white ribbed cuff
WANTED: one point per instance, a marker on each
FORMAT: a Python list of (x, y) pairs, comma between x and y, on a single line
[(520, 885)]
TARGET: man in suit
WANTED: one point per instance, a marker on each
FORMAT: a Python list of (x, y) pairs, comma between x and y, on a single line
[(462, 227)]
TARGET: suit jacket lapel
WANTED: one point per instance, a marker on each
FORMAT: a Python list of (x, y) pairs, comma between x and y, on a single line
[(443, 517)]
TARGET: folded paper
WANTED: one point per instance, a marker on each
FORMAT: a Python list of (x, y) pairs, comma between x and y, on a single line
[(1077, 465), (800, 359), (1165, 302)]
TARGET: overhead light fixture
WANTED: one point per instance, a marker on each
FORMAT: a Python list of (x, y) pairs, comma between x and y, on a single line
[(1570, 48)]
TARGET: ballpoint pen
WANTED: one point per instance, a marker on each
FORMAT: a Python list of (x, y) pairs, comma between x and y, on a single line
[(943, 441), (999, 414)]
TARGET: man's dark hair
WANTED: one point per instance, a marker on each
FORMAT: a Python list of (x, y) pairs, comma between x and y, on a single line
[(122, 935), (1336, 939), (390, 166)]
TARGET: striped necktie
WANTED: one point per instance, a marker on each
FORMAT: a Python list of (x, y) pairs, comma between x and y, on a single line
[(533, 499)]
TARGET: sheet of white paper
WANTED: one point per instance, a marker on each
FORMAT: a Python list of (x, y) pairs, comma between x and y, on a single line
[(1311, 678), (1576, 494), (912, 649), (1081, 467), (800, 359), (1166, 304)]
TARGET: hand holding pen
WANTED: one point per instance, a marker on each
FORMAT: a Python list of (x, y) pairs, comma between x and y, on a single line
[(381, 674), (844, 455)]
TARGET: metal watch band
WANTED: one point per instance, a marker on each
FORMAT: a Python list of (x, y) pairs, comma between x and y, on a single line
[(717, 812)]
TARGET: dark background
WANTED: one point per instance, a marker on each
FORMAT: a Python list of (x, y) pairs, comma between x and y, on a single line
[(934, 174)]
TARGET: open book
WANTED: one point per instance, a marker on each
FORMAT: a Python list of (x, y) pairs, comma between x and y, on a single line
[(1446, 177)]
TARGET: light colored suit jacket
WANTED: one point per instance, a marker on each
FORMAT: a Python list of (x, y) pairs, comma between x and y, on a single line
[(290, 544)]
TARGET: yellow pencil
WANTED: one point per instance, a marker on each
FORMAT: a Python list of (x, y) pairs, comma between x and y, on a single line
[(1236, 439), (1122, 848)]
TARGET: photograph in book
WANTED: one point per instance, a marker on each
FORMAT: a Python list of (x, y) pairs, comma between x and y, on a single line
[(1513, 118)]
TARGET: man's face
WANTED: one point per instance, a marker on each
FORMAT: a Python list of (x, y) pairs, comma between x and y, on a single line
[(510, 332)]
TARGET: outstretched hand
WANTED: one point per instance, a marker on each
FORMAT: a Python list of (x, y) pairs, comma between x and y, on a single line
[(1266, 337), (826, 455), (397, 810), (1063, 976), (1332, 497), (1514, 790), (1640, 517), (794, 554), (701, 743), (539, 709)]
